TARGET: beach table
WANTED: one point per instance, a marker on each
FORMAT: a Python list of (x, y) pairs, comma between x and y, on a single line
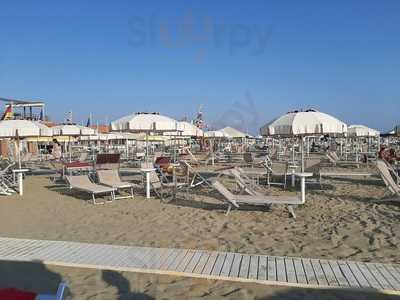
[(147, 172)]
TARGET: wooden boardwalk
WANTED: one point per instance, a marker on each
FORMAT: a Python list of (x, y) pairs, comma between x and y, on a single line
[(287, 271)]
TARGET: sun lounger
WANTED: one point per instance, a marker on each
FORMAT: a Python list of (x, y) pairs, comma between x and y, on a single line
[(112, 179), (387, 175), (83, 183), (255, 200), (166, 191), (334, 159), (245, 183), (6, 182)]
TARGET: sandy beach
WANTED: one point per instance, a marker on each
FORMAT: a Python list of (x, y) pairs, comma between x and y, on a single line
[(339, 222)]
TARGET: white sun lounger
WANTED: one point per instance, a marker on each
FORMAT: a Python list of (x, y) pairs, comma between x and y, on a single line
[(387, 175), (83, 183), (112, 179), (255, 200)]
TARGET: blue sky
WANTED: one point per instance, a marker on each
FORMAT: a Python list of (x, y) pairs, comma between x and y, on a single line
[(246, 62)]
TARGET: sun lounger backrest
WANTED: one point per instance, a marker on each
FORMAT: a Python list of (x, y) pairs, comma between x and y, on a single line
[(155, 180), (334, 156), (224, 192), (79, 181), (108, 176), (387, 177)]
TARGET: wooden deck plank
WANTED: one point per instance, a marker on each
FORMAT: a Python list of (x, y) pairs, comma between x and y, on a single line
[(219, 263), (309, 270), (271, 267), (253, 268), (393, 282), (202, 262), (210, 263), (358, 275), (329, 275), (348, 274), (369, 276), (378, 276), (226, 268), (392, 269), (300, 274), (156, 264), (170, 259), (236, 265), (194, 261), (280, 269), (341, 279), (319, 273), (185, 261), (178, 259), (262, 268), (290, 271), (244, 266)]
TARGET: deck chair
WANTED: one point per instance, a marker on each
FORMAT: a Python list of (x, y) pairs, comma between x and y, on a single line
[(112, 179), (273, 172), (334, 159), (243, 182), (83, 183), (194, 178), (166, 191), (387, 175), (6, 182), (234, 200)]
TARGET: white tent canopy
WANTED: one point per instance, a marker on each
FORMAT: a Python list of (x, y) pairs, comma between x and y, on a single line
[(304, 123), (361, 131), (142, 122), (233, 133), (23, 128), (72, 130)]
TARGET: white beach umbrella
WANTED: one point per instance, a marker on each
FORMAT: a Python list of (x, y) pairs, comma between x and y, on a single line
[(17, 129), (215, 134), (145, 122), (361, 131), (187, 129), (72, 130), (23, 128), (233, 133), (304, 123)]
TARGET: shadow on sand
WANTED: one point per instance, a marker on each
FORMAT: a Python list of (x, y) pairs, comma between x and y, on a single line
[(321, 294), (123, 286), (28, 276)]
